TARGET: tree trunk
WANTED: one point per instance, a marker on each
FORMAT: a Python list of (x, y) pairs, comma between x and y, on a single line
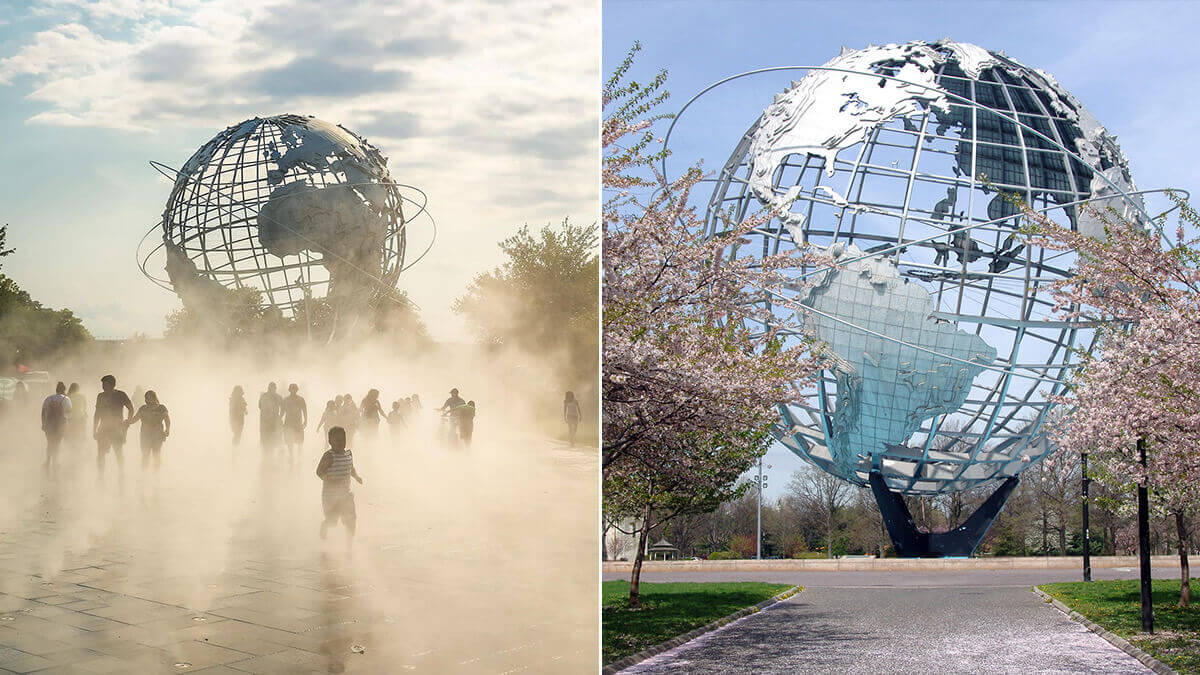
[(1185, 580), (829, 537), (635, 599), (1062, 536), (604, 540), (1045, 533)]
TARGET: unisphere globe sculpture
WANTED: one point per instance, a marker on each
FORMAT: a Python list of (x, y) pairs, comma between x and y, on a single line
[(900, 161), (295, 207)]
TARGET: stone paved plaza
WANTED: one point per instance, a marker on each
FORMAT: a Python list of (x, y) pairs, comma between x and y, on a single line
[(472, 561), (892, 630), (899, 621)]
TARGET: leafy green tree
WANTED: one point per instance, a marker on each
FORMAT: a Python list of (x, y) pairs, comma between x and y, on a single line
[(397, 316), (29, 331), (543, 299), (3, 242), (240, 315), (824, 495)]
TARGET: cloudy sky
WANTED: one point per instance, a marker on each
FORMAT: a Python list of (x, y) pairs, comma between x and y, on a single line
[(491, 108), (1132, 64)]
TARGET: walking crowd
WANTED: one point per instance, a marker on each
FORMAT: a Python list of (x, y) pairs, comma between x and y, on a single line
[(283, 425), (283, 420)]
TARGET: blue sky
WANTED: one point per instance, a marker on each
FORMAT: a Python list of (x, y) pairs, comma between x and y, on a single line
[(1132, 64), (490, 108)]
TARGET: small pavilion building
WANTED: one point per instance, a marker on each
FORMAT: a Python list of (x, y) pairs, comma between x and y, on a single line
[(663, 550)]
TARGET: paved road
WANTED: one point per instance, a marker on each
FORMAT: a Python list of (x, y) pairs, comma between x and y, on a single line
[(215, 566), (899, 622)]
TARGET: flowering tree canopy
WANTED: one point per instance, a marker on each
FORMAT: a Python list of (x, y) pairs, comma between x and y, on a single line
[(693, 365), (686, 356), (1143, 378)]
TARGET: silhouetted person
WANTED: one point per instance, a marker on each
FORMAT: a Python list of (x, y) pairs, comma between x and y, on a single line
[(371, 413), (156, 426), (335, 470), (449, 425), (329, 416), (270, 418), (407, 410), (237, 413), (395, 419), (56, 414), (453, 402), (20, 397), (108, 422), (464, 416), (295, 420), (571, 415), (77, 424), (349, 416)]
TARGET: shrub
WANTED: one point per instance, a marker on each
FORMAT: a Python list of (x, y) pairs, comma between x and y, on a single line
[(794, 546), (743, 546)]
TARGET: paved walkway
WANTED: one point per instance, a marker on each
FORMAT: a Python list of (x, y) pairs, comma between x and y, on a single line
[(852, 622), (216, 567)]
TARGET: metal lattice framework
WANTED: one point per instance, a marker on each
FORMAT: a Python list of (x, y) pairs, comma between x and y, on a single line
[(292, 206), (915, 194)]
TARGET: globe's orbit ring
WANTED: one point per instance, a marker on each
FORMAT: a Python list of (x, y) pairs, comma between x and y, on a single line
[(850, 71), (229, 224), (421, 206), (966, 228), (1014, 130), (966, 101)]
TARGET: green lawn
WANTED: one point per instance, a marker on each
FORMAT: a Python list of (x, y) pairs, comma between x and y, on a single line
[(669, 610), (1116, 605)]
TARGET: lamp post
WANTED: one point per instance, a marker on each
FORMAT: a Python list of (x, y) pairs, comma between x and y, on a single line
[(1087, 544), (760, 484), (1143, 517)]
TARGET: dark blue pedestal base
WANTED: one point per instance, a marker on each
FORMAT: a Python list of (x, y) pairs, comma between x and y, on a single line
[(959, 542)]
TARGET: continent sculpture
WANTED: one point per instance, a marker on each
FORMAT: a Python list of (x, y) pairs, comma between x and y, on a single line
[(901, 162), (302, 210)]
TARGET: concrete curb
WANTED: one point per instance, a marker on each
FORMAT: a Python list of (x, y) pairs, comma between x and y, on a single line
[(633, 660), (1116, 640), (886, 564)]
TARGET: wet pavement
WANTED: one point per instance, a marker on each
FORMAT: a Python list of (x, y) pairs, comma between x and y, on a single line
[(466, 561), (899, 622)]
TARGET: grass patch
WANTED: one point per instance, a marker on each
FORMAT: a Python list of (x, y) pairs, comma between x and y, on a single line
[(669, 610), (1116, 606)]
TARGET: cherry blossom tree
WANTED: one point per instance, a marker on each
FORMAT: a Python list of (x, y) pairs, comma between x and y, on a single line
[(1142, 381), (694, 365)]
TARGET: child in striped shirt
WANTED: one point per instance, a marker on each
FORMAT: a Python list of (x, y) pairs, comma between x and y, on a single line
[(335, 470)]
